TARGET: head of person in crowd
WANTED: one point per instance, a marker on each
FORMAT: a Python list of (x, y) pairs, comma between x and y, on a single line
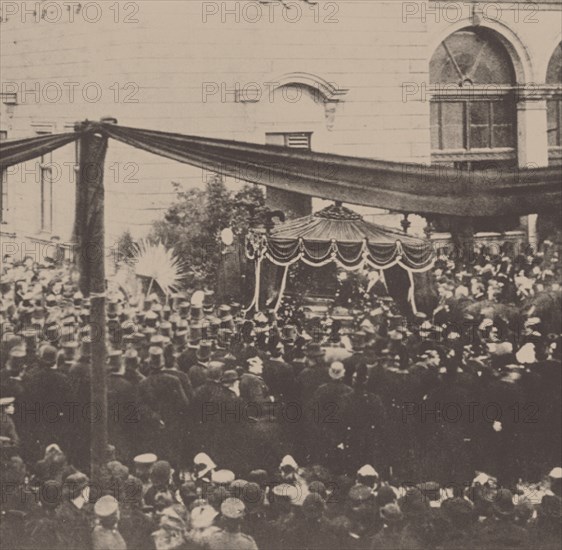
[(107, 512), (143, 464), (76, 489), (368, 476), (48, 356), (315, 354), (231, 380), (203, 466), (255, 365), (555, 481), (232, 513), (161, 475), (131, 493), (288, 468), (50, 495)]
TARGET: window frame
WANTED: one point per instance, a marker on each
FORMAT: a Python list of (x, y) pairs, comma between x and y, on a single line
[(46, 206), (4, 196)]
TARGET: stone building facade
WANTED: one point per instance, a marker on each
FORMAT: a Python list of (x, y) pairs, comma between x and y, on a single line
[(469, 84)]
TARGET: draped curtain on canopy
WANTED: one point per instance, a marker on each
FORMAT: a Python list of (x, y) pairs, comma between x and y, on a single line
[(337, 234)]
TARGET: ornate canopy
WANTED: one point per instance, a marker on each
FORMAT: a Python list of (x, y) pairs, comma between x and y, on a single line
[(337, 234)]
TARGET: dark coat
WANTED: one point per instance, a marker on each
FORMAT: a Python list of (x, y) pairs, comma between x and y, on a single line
[(74, 529), (279, 378), (163, 395), (253, 389), (310, 379), (198, 374)]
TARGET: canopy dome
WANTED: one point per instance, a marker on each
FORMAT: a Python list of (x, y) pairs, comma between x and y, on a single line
[(338, 234)]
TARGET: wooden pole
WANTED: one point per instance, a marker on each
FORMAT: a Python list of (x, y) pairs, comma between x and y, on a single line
[(91, 247)]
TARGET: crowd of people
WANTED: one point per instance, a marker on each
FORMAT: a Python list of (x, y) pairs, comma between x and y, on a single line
[(233, 429)]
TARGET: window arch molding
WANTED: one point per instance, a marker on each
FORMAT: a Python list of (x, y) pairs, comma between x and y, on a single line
[(550, 53), (520, 58)]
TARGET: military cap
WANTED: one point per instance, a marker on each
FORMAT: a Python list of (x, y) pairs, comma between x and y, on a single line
[(106, 506), (5, 401), (233, 508), (555, 473), (146, 459), (222, 477), (155, 351)]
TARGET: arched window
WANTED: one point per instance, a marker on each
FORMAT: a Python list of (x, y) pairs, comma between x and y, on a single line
[(554, 104), (473, 113)]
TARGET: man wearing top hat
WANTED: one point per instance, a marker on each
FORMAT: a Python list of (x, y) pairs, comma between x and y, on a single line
[(314, 374), (163, 404), (123, 416), (46, 391), (198, 371)]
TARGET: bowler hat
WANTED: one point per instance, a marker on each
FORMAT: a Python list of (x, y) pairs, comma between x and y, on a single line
[(315, 350), (229, 376)]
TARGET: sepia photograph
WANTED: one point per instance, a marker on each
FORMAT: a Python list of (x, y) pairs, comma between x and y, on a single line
[(280, 275)]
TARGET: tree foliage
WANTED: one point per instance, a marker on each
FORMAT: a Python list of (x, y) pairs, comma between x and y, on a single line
[(193, 224)]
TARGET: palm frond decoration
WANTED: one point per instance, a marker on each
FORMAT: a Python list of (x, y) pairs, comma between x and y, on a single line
[(159, 264)]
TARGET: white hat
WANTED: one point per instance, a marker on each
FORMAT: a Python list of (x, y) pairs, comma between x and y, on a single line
[(555, 473), (204, 458), (367, 471), (526, 353), (337, 370), (203, 516), (289, 461), (147, 458), (483, 478), (532, 321), (222, 477)]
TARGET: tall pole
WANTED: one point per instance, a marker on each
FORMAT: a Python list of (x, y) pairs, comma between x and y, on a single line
[(90, 235)]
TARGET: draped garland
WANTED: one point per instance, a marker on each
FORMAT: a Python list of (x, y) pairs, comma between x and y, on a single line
[(339, 235)]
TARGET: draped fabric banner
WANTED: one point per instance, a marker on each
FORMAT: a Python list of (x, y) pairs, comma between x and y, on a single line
[(392, 185), (396, 186), (22, 150)]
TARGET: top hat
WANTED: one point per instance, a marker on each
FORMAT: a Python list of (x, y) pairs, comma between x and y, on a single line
[(224, 311), (196, 313), (204, 351)]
